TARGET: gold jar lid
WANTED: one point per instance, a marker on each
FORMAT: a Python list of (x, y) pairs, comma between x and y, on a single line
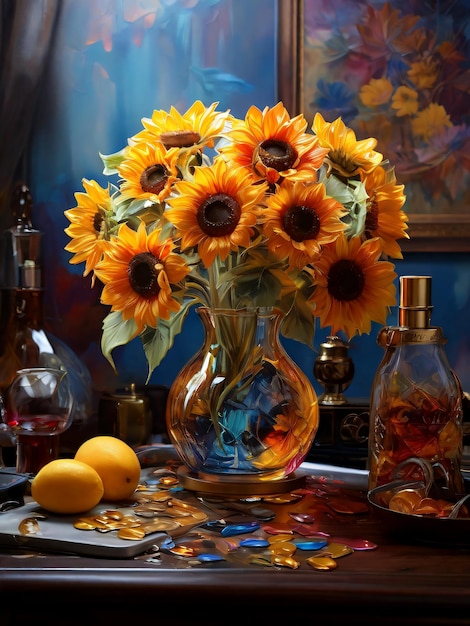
[(415, 302), (333, 347)]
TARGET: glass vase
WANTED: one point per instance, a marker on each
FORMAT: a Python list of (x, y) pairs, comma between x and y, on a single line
[(241, 409)]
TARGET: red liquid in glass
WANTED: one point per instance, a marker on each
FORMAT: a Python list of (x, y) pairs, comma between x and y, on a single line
[(44, 424), (35, 451), (37, 440)]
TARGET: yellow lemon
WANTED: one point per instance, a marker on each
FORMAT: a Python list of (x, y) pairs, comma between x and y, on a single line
[(67, 486), (116, 463)]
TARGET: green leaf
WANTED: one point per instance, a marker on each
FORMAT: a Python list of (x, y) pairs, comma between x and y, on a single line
[(158, 341), (299, 323), (128, 209), (111, 161), (116, 332), (354, 197), (357, 209), (258, 281)]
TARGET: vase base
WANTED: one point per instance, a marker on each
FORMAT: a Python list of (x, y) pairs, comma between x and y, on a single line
[(235, 486)]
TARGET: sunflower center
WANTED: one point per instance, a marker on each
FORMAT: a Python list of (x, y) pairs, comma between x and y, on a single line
[(218, 215), (154, 178), (372, 218), (346, 280), (342, 163), (279, 155), (301, 223), (97, 221), (180, 138), (143, 273)]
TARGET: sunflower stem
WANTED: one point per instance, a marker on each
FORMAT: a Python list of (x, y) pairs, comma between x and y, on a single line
[(213, 273)]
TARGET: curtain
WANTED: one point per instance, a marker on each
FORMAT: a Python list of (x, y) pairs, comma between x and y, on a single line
[(26, 36)]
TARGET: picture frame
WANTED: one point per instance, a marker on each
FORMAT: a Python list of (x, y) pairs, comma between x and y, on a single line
[(438, 221)]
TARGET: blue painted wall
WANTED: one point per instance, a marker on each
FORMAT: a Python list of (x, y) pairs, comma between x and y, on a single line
[(110, 70)]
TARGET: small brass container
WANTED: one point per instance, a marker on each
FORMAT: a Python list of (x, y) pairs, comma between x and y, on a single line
[(334, 370), (126, 415)]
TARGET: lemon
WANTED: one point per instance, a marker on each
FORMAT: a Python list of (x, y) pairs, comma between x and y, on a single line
[(67, 486), (116, 463)]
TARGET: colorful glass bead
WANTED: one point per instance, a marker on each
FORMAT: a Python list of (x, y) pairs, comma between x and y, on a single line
[(207, 558), (278, 528), (285, 561), (336, 550), (254, 543), (310, 544), (356, 544), (323, 563), (183, 551), (280, 537), (286, 548), (239, 529), (303, 518), (307, 530)]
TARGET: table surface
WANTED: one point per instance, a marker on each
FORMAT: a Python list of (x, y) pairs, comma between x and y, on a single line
[(401, 580)]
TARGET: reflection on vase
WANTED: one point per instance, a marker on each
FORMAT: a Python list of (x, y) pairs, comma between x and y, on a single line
[(241, 408)]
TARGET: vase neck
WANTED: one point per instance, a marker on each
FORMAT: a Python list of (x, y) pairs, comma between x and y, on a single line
[(240, 330)]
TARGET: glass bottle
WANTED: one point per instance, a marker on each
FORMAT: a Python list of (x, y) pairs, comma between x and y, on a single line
[(24, 340), (416, 400)]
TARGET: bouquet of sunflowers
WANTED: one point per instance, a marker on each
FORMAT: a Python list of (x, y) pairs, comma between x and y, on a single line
[(207, 209)]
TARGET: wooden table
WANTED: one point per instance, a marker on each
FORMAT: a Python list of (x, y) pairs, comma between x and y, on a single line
[(401, 582)]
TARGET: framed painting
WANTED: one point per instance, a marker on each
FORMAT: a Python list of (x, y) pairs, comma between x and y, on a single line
[(399, 72)]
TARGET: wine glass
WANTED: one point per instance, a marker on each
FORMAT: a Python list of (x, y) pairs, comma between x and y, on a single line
[(39, 405)]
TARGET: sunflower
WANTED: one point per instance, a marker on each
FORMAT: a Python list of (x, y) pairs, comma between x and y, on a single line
[(385, 218), (194, 130), (250, 212), (90, 227), (139, 273), (217, 211), (148, 172), (347, 157), (273, 145), (299, 219), (353, 287)]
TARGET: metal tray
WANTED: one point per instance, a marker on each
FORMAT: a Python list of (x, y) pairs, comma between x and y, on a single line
[(441, 531), (57, 534)]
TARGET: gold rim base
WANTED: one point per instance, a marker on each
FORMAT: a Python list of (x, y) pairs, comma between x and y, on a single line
[(215, 485)]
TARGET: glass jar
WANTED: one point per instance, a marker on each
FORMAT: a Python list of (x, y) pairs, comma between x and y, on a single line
[(416, 399)]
